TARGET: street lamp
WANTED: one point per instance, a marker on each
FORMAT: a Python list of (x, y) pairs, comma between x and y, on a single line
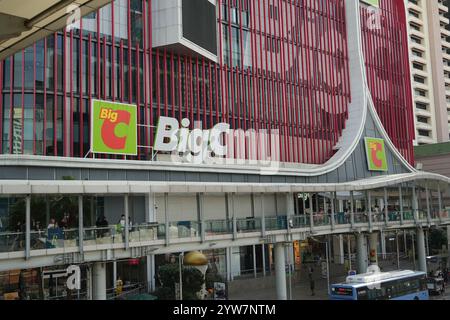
[(180, 264)]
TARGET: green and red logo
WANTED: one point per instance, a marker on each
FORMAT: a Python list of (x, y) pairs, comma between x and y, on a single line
[(376, 154), (113, 128)]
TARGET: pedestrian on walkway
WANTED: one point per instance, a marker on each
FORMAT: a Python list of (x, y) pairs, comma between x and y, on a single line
[(311, 281)]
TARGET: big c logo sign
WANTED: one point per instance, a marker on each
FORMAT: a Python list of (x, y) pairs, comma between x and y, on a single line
[(113, 128), (376, 154)]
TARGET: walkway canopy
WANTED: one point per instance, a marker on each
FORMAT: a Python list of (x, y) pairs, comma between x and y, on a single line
[(16, 187), (23, 22)]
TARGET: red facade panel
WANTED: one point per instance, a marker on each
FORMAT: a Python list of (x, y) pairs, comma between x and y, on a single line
[(387, 62), (283, 66)]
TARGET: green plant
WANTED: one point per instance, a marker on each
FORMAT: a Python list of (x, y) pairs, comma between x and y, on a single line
[(169, 274)]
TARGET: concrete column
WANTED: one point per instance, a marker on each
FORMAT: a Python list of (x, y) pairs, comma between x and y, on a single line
[(27, 226), (352, 208), (421, 256), (400, 193), (263, 256), (427, 195), (415, 204), (373, 248), (369, 209), (201, 215), (311, 213), (228, 260), (150, 215), (361, 253), (333, 210), (151, 273), (114, 263), (99, 281), (338, 249), (386, 203), (127, 215), (383, 244), (254, 261), (349, 251), (263, 216), (166, 217), (448, 245), (280, 271), (439, 203), (80, 224)]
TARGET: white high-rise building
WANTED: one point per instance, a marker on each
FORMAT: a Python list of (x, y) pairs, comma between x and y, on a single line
[(430, 52)]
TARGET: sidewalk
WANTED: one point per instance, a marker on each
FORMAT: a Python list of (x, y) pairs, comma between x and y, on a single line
[(300, 284)]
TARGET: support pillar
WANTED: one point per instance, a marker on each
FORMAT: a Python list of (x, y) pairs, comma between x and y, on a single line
[(127, 224), (415, 204), (151, 273), (27, 226), (383, 245), (80, 224), (448, 246), (361, 253), (338, 249), (280, 271), (99, 281), (421, 256), (373, 248)]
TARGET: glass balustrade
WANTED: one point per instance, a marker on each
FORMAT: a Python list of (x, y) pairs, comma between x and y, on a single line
[(216, 227), (184, 229), (302, 221), (248, 225), (276, 223)]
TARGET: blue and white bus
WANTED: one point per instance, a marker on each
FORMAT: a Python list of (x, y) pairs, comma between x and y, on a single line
[(395, 285)]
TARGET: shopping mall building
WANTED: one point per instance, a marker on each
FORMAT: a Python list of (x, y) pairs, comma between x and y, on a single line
[(239, 128)]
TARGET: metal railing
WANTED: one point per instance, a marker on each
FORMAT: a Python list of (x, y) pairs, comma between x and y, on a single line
[(69, 238)]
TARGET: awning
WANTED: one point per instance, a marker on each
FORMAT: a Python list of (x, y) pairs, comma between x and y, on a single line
[(18, 187)]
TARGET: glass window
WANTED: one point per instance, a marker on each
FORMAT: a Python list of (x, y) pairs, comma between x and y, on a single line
[(49, 126), (18, 57), (29, 68), (50, 62)]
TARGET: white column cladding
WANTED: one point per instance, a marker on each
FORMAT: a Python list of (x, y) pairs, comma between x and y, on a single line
[(150, 216), (361, 253), (127, 215), (99, 281), (290, 208), (27, 226), (415, 203), (373, 244), (280, 271), (383, 244), (114, 263), (338, 249), (421, 255), (448, 245)]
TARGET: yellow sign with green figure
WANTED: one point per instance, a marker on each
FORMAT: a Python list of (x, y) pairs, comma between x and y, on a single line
[(376, 154), (113, 128)]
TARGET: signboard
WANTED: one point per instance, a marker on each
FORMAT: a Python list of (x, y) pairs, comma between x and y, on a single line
[(113, 128), (376, 154), (373, 3)]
